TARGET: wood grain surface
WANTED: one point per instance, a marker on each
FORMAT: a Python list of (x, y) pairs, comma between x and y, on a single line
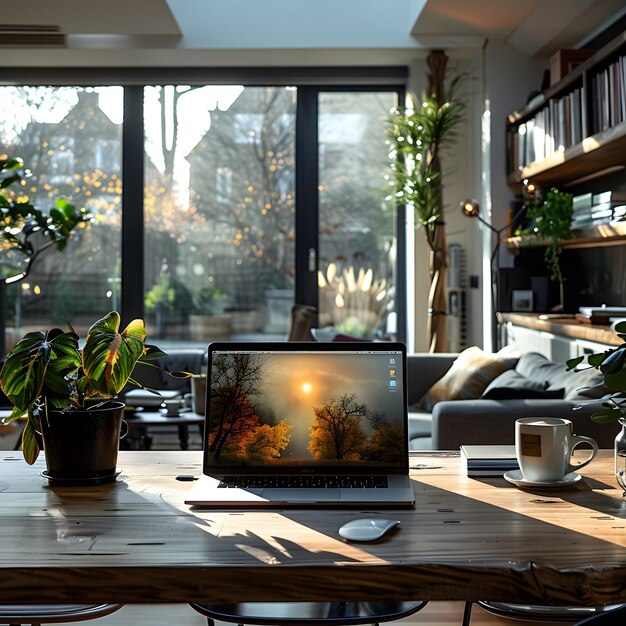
[(565, 328), (136, 541)]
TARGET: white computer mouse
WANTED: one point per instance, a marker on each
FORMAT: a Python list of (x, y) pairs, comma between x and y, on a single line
[(367, 529)]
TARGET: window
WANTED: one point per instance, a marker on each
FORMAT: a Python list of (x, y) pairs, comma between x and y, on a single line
[(62, 159), (223, 184), (220, 249), (56, 132), (221, 242)]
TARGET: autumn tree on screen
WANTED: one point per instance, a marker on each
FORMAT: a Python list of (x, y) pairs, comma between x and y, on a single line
[(235, 378), (386, 441), (267, 442), (336, 431)]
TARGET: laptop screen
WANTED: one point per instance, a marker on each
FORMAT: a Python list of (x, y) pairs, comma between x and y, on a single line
[(306, 407)]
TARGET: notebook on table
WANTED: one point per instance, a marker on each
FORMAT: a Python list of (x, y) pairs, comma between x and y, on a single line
[(297, 424)]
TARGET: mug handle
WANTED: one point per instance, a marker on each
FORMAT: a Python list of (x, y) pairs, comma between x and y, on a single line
[(578, 439), (124, 428)]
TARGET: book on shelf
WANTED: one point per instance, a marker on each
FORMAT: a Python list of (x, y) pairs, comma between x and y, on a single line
[(488, 460), (599, 314)]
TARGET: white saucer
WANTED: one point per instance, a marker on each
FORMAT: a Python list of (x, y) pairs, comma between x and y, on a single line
[(516, 477)]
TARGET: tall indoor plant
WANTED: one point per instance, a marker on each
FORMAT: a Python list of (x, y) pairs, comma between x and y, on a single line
[(417, 134), (67, 394)]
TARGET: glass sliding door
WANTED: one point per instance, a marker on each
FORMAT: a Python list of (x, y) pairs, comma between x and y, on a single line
[(216, 208), (357, 259), (70, 140), (219, 211)]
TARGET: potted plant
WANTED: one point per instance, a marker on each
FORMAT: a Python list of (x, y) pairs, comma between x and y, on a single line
[(612, 364), (67, 395), (209, 320), (552, 220)]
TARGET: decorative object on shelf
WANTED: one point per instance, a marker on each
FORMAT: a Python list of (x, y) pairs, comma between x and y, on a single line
[(552, 220), (417, 134), (612, 364), (66, 394), (522, 300)]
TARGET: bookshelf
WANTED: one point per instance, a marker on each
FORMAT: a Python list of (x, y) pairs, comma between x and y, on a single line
[(576, 128), (613, 234)]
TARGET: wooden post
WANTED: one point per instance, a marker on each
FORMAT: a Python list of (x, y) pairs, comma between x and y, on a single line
[(438, 258)]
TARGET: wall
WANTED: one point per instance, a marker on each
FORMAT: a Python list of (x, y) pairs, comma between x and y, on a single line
[(509, 77), (499, 80)]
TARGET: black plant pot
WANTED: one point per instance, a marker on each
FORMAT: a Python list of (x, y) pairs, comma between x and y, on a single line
[(81, 445)]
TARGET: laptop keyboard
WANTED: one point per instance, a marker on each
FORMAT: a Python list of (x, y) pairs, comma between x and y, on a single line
[(303, 482)]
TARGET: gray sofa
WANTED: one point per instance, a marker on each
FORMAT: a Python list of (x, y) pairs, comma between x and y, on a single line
[(484, 421)]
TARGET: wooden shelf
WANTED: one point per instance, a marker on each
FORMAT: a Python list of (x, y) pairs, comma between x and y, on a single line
[(603, 235), (566, 328), (594, 154)]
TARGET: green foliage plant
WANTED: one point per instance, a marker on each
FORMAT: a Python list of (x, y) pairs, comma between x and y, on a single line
[(612, 364), (161, 293), (20, 218), (417, 135), (47, 370), (209, 301), (553, 220)]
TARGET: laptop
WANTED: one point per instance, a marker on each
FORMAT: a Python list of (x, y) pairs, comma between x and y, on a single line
[(295, 424)]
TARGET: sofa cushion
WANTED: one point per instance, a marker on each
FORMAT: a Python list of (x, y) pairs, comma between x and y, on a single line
[(468, 377), (577, 385), (511, 385), (420, 424)]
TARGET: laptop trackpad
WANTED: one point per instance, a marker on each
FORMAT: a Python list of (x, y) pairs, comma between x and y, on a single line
[(301, 496)]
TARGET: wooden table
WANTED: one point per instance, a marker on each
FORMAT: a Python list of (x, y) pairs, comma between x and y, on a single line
[(136, 541)]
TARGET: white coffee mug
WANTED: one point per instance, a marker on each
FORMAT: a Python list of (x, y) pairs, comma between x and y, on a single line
[(544, 447), (171, 406)]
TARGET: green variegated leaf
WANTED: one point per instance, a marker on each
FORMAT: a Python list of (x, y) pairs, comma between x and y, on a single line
[(150, 353), (22, 376), (109, 356), (30, 447)]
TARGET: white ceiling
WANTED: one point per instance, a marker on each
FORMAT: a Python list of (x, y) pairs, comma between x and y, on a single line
[(296, 32)]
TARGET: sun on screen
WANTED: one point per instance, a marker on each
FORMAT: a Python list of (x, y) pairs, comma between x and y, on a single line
[(307, 387)]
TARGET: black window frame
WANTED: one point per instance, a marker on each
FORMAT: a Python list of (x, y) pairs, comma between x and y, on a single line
[(309, 83)]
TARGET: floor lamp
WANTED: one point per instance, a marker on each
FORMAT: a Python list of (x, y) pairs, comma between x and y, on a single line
[(471, 208)]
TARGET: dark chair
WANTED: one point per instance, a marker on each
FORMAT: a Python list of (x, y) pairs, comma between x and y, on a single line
[(53, 613), (302, 316), (308, 613), (536, 612)]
